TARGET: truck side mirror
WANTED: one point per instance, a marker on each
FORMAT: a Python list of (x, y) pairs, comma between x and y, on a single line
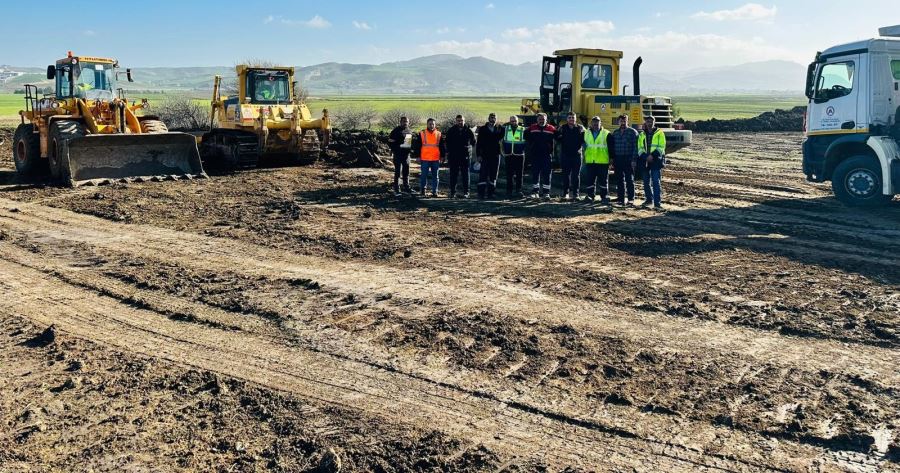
[(810, 80), (51, 72), (128, 75)]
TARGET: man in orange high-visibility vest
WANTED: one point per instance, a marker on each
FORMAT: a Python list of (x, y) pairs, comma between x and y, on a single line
[(430, 154)]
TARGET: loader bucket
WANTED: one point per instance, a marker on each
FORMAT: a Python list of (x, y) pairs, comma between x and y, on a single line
[(97, 159)]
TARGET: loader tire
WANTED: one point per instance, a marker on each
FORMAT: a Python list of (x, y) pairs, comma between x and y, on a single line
[(153, 126), (27, 151), (61, 132)]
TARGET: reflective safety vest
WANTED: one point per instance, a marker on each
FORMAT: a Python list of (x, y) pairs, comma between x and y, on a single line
[(657, 143), (514, 140), (596, 151), (431, 148)]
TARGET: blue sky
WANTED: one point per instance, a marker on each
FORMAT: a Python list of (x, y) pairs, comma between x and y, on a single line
[(669, 35)]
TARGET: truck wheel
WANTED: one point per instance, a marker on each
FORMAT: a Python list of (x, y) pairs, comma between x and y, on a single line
[(27, 151), (153, 126), (61, 131), (857, 182)]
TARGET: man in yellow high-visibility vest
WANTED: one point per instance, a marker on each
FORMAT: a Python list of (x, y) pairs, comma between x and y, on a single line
[(596, 161), (652, 160)]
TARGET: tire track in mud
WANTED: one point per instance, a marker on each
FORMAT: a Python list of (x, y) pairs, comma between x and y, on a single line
[(628, 423), (129, 240), (515, 430), (45, 224)]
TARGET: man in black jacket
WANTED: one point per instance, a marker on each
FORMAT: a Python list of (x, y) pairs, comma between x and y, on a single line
[(400, 141), (571, 140), (487, 151), (458, 142)]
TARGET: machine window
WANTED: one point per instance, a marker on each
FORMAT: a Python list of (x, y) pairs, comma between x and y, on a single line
[(895, 69), (596, 76), (835, 80), (93, 81), (269, 87)]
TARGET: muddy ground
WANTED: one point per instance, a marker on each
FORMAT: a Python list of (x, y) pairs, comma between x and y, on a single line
[(294, 319)]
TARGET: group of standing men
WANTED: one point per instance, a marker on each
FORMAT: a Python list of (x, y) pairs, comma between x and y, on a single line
[(590, 150)]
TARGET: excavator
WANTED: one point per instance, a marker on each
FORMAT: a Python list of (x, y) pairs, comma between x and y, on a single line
[(586, 81), (265, 117), (87, 132)]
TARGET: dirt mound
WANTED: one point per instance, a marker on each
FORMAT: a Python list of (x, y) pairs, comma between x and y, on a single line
[(779, 120), (358, 148)]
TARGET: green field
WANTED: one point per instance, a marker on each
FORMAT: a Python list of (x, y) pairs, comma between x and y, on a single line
[(689, 107), (732, 106)]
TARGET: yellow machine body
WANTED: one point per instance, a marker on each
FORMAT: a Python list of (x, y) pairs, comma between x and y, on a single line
[(278, 120), (587, 82), (87, 132)]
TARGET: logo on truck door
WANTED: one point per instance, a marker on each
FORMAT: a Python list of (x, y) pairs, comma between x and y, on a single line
[(829, 111)]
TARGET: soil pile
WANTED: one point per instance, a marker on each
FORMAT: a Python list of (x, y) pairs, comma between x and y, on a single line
[(779, 120), (358, 148)]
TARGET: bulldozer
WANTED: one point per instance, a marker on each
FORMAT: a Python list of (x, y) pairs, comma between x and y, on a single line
[(586, 81), (86, 132), (265, 118)]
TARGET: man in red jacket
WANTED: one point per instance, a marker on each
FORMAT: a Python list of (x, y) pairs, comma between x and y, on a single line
[(540, 139)]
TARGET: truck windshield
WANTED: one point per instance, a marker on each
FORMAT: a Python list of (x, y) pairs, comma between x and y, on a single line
[(268, 87), (835, 80)]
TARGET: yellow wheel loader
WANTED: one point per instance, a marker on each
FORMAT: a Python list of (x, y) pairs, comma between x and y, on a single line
[(586, 81), (265, 117), (88, 133)]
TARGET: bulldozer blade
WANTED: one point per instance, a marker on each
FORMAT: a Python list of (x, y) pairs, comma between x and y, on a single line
[(95, 159)]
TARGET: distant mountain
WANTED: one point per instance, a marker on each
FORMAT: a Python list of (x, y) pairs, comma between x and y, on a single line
[(448, 74), (775, 76), (439, 74)]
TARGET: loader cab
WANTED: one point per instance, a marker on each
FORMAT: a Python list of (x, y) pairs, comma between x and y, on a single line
[(84, 77)]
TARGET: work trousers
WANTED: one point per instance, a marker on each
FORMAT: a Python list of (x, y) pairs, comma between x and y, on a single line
[(653, 186), (571, 174), (429, 169), (515, 169), (487, 176), (624, 180), (459, 168), (540, 175), (401, 169), (597, 176)]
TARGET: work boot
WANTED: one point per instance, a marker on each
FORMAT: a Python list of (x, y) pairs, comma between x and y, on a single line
[(604, 201), (434, 194), (646, 203)]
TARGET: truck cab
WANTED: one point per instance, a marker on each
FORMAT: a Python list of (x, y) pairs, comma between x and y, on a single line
[(852, 131)]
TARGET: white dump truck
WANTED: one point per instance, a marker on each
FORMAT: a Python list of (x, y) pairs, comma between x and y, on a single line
[(853, 120)]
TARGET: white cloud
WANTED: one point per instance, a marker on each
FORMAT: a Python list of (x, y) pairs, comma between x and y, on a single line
[(442, 30), (571, 31), (747, 12), (489, 6), (89, 33), (361, 25), (315, 22), (662, 51)]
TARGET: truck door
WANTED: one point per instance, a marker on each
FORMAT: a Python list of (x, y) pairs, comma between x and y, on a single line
[(550, 85), (833, 108)]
